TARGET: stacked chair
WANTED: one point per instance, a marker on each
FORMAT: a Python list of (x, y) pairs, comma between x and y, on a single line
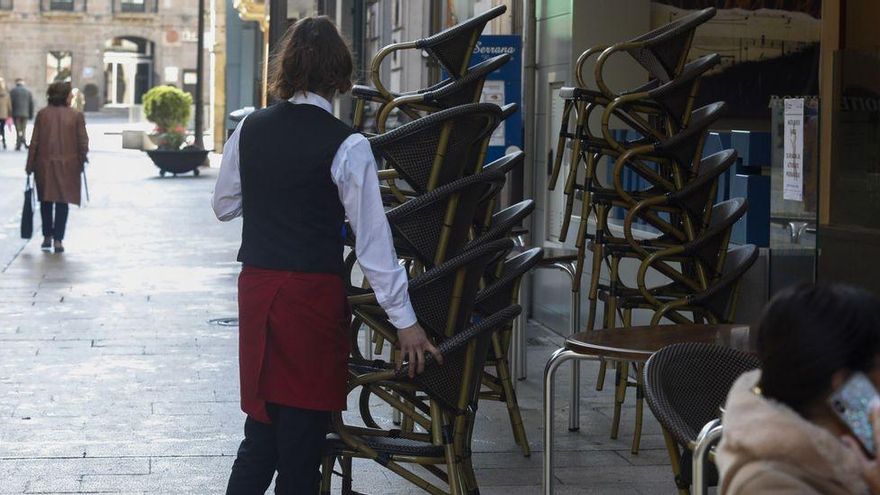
[(659, 184), (455, 242), (451, 49)]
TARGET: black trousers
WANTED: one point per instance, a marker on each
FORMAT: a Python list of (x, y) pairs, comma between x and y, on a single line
[(291, 445), (54, 227)]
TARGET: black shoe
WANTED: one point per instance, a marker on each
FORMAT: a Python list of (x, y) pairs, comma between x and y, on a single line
[(58, 247), (47, 244)]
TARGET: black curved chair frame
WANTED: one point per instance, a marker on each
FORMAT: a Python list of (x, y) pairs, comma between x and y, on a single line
[(685, 387)]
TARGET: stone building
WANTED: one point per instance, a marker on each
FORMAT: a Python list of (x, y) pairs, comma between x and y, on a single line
[(114, 50)]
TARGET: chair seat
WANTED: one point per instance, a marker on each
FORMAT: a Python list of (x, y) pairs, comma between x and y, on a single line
[(387, 445), (557, 255)]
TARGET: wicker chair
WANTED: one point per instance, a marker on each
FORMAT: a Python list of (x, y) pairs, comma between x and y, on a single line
[(717, 303), (451, 48), (434, 150), (685, 387), (654, 113), (467, 89), (451, 390)]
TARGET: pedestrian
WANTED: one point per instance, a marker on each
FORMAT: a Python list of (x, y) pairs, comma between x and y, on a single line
[(5, 110), (22, 111), (58, 152), (78, 102), (294, 173), (781, 434)]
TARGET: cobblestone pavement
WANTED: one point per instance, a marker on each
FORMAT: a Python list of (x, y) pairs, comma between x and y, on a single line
[(112, 379)]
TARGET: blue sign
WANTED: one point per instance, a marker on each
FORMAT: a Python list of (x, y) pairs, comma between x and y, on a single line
[(502, 87)]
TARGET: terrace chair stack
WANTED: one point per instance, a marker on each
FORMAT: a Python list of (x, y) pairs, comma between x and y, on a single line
[(659, 184), (441, 205)]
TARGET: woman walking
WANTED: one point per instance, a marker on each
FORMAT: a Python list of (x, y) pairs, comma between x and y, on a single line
[(58, 152), (294, 173), (5, 110)]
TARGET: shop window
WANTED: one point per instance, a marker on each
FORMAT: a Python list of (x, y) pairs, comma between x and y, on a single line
[(59, 65)]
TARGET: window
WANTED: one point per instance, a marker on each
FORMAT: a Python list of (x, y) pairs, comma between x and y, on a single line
[(58, 66), (133, 6), (66, 5), (5, 4)]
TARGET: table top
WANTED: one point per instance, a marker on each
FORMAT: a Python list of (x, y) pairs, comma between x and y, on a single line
[(639, 343)]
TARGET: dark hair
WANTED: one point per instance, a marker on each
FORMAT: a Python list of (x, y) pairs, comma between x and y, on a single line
[(58, 93), (807, 333), (312, 57)]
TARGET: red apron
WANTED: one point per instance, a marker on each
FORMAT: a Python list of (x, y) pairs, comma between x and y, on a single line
[(293, 340)]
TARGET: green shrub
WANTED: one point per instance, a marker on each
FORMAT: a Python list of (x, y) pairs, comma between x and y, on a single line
[(167, 107)]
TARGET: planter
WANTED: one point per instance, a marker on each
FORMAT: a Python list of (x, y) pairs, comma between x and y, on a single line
[(178, 161)]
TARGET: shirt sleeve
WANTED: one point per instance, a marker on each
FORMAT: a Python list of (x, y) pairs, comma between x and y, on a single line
[(354, 173), (227, 192)]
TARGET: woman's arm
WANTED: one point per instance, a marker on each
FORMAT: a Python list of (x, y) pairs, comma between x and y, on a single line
[(82, 138), (34, 147), (227, 192), (354, 173)]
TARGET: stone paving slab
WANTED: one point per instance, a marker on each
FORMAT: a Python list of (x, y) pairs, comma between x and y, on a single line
[(112, 380)]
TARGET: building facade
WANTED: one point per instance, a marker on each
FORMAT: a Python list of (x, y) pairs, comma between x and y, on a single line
[(113, 50)]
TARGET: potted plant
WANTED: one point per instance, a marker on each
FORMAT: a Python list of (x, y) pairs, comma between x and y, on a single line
[(169, 108)]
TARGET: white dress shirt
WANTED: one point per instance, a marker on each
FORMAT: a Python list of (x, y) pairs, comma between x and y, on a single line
[(354, 172)]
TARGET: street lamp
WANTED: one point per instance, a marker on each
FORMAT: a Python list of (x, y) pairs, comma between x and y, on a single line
[(200, 69)]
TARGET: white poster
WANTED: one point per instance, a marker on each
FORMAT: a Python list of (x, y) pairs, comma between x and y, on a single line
[(493, 92), (793, 178)]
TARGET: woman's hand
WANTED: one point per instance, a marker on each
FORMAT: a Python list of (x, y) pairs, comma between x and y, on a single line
[(870, 467), (413, 345)]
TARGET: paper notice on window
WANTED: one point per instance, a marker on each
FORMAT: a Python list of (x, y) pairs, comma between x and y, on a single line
[(793, 177), (493, 92)]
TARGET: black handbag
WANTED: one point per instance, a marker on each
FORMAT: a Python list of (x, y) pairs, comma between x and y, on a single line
[(27, 211)]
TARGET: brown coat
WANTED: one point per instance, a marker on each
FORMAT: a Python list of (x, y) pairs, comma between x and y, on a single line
[(57, 153), (767, 448)]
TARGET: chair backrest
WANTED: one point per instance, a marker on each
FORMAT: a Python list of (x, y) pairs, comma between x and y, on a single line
[(468, 88), (710, 246), (443, 297), (435, 226), (453, 46), (663, 51), (699, 192), (436, 149), (454, 385), (503, 222), (502, 291), (685, 147), (720, 297), (676, 97), (687, 384)]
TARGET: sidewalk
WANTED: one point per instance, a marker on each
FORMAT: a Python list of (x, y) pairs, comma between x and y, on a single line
[(112, 379)]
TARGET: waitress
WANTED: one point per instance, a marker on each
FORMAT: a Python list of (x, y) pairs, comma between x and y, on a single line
[(294, 172)]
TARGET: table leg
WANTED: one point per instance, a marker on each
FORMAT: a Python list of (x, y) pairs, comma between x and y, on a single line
[(558, 357), (574, 411), (574, 318)]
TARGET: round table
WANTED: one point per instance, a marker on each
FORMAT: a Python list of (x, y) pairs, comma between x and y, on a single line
[(628, 344)]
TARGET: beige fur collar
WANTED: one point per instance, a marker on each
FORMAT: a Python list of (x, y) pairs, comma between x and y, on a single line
[(761, 429)]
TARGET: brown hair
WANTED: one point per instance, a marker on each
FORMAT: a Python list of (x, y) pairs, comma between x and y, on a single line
[(58, 93), (312, 56)]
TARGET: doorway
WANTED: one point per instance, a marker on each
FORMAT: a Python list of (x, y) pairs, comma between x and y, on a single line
[(128, 70)]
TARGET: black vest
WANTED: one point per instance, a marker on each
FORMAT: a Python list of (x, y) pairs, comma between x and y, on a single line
[(293, 218)]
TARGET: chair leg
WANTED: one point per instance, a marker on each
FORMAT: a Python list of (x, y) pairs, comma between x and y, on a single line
[(347, 474), (470, 478), (640, 408), (675, 463), (327, 474), (503, 371), (453, 469), (619, 396)]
